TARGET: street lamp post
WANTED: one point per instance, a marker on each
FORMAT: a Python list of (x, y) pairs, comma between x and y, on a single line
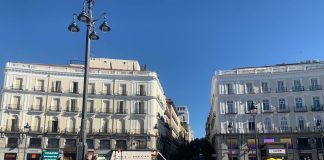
[(230, 128), (86, 17), (320, 128), (253, 108), (26, 129)]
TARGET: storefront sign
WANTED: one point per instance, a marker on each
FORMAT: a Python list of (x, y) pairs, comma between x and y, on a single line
[(132, 155), (51, 155), (277, 151)]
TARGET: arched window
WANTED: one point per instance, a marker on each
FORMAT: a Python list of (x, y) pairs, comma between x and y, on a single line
[(301, 123), (284, 124), (267, 124)]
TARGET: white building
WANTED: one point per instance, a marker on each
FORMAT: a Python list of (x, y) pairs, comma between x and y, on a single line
[(288, 122), (183, 114), (123, 109)]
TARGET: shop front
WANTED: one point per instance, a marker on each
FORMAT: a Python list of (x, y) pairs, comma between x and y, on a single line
[(274, 151), (10, 156), (33, 156)]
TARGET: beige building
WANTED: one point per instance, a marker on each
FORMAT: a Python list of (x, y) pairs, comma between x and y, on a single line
[(124, 106), (287, 122)]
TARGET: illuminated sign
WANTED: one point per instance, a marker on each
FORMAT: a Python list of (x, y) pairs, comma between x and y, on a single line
[(277, 151)]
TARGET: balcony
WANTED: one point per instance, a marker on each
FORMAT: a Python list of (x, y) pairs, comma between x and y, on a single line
[(281, 89), (105, 131), (35, 108), (104, 112), (91, 111), (39, 88), (12, 129), (300, 108), (106, 92), (121, 111), (297, 88), (122, 93), (231, 112), (54, 109), (120, 131), (230, 91), (56, 90), (270, 110), (35, 129), (74, 91), (53, 130), (35, 145), (250, 91), (141, 111), (265, 90), (318, 108), (92, 91), (141, 93), (12, 145), (72, 110), (17, 87), (14, 107), (315, 87), (285, 109), (140, 131), (70, 130)]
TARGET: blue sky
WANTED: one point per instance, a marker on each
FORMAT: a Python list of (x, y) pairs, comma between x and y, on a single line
[(185, 41)]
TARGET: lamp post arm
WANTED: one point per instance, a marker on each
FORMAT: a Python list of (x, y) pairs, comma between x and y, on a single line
[(97, 19)]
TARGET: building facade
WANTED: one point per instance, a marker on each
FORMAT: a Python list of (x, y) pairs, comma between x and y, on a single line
[(41, 109), (269, 111), (183, 113)]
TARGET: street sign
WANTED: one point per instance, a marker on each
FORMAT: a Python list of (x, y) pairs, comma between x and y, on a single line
[(51, 155)]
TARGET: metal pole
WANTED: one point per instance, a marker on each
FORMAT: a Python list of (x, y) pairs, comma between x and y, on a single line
[(83, 136), (322, 143), (25, 147), (256, 138)]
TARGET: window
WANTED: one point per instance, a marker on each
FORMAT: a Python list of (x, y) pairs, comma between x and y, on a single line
[(230, 107), (316, 102), (250, 105), (91, 88), (104, 144), (266, 105), (15, 103), (230, 89), (90, 143), (264, 87), (18, 84), (141, 91), (122, 89), (53, 143), (314, 82), (70, 143), (40, 85), (140, 108), (249, 88), (56, 105), (54, 126), (299, 103), (75, 87), (106, 107), (56, 86), (267, 124), (121, 107), (121, 144), (90, 106), (283, 124), (38, 104), (35, 143), (140, 144), (301, 123), (280, 86), (282, 104), (297, 86), (73, 107), (107, 89), (251, 124), (12, 142)]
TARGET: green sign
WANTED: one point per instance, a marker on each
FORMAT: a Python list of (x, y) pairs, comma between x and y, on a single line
[(51, 155)]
